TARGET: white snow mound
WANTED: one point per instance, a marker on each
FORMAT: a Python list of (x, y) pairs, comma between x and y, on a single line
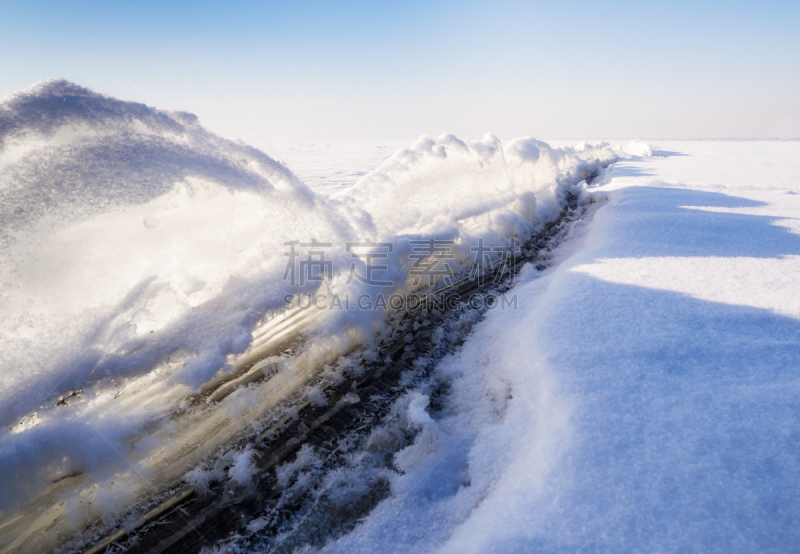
[(639, 148), (138, 251)]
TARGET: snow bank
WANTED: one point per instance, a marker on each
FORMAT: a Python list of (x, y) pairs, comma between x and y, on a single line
[(131, 241), (444, 185), (466, 191), (119, 220), (139, 254)]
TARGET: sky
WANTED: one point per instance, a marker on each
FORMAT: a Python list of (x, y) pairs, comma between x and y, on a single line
[(358, 70)]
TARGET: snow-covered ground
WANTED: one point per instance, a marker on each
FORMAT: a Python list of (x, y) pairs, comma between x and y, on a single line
[(642, 396), (645, 396)]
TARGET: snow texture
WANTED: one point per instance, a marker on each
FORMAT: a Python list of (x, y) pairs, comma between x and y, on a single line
[(645, 395), (138, 252)]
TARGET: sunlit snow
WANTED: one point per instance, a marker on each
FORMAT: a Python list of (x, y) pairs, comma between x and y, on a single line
[(643, 396)]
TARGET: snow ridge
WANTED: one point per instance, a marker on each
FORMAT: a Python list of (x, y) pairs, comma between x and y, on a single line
[(139, 253)]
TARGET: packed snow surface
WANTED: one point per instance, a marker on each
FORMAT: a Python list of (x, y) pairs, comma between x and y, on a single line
[(140, 255), (644, 398)]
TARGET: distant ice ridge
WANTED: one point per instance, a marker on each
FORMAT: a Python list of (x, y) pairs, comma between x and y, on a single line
[(131, 237)]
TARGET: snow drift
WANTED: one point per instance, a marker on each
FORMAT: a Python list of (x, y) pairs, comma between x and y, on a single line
[(446, 185), (131, 238), (466, 191), (139, 252)]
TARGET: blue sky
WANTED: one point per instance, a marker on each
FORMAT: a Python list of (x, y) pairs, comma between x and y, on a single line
[(355, 69)]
